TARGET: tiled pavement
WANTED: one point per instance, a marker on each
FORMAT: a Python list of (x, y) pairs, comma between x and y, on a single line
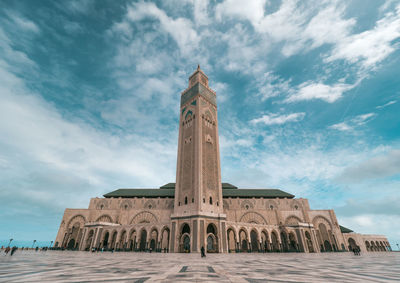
[(55, 266)]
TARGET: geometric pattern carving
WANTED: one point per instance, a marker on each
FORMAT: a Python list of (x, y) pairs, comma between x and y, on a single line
[(150, 204), (104, 218), (246, 204), (253, 217), (103, 204), (270, 205), (292, 220), (126, 205), (144, 217), (321, 219), (77, 218)]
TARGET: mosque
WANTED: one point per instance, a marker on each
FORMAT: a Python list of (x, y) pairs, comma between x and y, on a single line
[(201, 211)]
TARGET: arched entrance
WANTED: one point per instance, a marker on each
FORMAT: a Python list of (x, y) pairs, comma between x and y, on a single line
[(185, 243), (143, 240), (132, 240), (352, 244), (74, 236), (185, 239), (254, 241), (212, 240), (165, 240), (153, 239), (89, 240), (264, 241), (113, 240), (231, 240), (327, 246), (275, 243), (71, 244), (309, 242), (367, 245), (122, 245), (244, 246), (105, 240), (292, 242), (284, 240)]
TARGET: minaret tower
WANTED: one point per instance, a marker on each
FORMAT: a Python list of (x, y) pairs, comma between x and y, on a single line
[(198, 209)]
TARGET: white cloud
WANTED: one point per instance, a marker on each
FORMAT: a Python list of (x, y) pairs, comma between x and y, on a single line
[(252, 11), (270, 85), (200, 12), (386, 104), (24, 23), (312, 90), (276, 119), (382, 166), (372, 46), (341, 127), (300, 26), (180, 29), (354, 122)]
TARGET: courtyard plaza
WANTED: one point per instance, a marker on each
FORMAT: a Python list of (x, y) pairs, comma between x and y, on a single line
[(69, 266)]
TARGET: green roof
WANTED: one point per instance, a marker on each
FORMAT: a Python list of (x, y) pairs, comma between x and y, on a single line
[(344, 229), (228, 190)]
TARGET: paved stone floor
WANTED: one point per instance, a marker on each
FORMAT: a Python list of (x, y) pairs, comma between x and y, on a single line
[(56, 266)]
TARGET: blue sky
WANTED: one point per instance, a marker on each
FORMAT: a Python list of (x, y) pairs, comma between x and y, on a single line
[(308, 95)]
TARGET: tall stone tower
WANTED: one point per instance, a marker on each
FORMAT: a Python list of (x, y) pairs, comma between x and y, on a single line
[(198, 218)]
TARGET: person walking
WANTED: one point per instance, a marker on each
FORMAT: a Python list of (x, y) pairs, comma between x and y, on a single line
[(13, 250), (203, 252), (7, 250)]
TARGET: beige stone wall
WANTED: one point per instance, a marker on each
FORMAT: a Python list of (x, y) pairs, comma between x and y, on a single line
[(262, 224)]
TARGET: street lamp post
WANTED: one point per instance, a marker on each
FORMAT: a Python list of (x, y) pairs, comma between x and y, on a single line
[(51, 244), (9, 243), (398, 247), (34, 241)]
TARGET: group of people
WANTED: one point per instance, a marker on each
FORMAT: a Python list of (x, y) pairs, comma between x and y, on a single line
[(12, 250), (357, 251)]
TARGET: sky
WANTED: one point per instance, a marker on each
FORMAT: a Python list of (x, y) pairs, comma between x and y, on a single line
[(308, 100)]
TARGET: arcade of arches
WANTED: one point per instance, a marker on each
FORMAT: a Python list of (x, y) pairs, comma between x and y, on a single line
[(199, 211)]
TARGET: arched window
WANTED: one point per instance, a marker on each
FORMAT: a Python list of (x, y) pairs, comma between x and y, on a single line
[(192, 200), (210, 200), (185, 200), (179, 203), (204, 200)]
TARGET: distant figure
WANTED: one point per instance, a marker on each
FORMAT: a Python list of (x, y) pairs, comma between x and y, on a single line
[(203, 252), (36, 249), (7, 250), (150, 250), (13, 250)]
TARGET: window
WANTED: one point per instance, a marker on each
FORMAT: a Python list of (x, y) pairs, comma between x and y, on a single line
[(185, 200), (204, 200), (192, 200), (210, 200), (217, 203), (179, 203)]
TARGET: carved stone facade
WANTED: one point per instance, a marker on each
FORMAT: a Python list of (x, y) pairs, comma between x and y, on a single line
[(200, 211)]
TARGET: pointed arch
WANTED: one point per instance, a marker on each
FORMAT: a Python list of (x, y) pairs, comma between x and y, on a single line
[(253, 217), (104, 218), (144, 217)]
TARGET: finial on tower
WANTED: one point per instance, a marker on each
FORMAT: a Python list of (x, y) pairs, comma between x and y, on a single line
[(198, 67)]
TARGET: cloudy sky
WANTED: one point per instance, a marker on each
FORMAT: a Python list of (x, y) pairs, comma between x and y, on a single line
[(308, 95)]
